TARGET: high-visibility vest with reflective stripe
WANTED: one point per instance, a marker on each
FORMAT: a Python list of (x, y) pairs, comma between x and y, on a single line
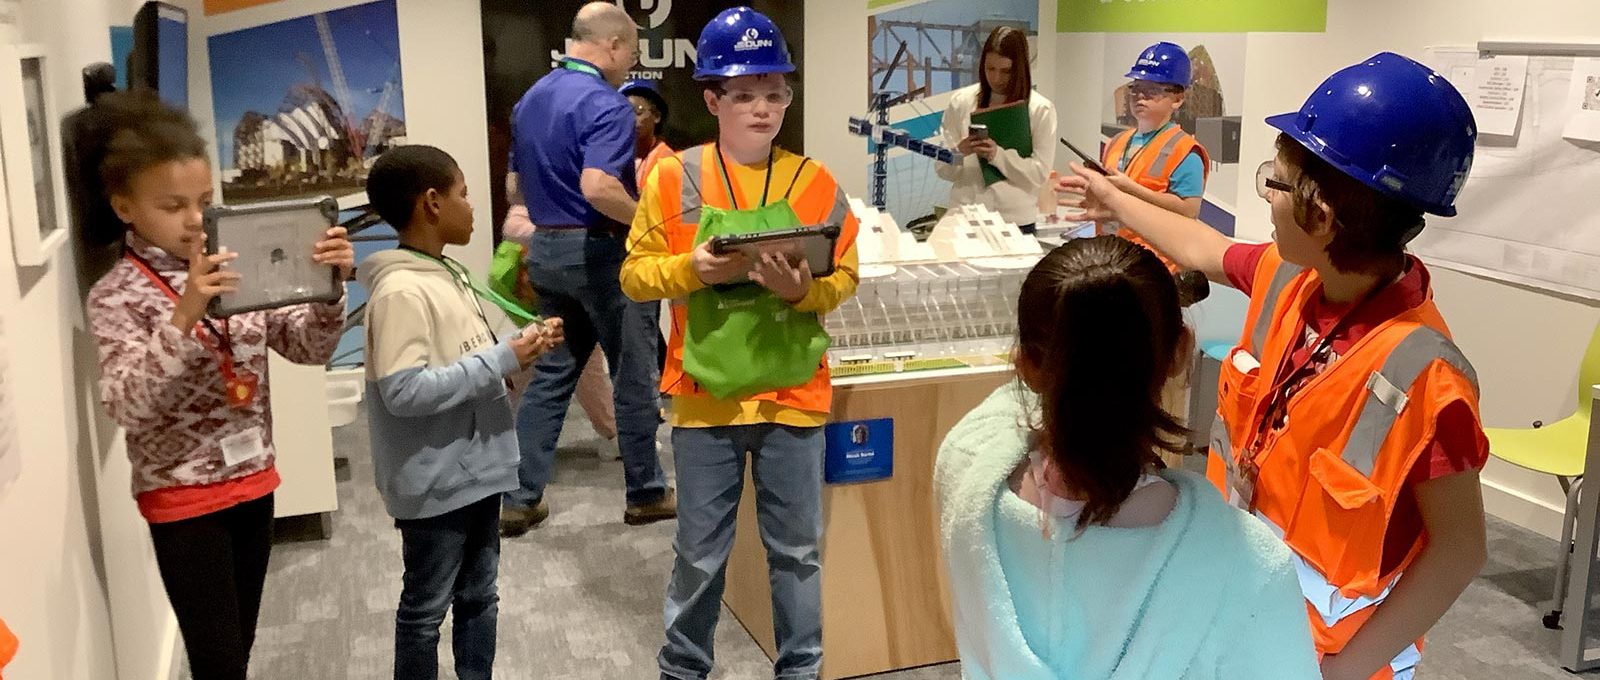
[(1329, 480), (1152, 167), (816, 199), (648, 163)]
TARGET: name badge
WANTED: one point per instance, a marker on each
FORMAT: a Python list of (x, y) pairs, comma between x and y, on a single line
[(243, 447)]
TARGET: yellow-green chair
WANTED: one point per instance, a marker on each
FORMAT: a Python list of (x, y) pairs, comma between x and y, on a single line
[(1557, 449)]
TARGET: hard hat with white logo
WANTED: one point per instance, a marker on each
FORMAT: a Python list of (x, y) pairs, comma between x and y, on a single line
[(1163, 63), (741, 42)]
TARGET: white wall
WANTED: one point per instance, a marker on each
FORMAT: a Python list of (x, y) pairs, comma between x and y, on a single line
[(1525, 344), (75, 547)]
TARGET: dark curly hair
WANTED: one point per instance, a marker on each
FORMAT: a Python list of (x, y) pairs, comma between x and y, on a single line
[(142, 132)]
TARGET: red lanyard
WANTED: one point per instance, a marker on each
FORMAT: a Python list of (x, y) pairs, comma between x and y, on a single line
[(1278, 398), (240, 385)]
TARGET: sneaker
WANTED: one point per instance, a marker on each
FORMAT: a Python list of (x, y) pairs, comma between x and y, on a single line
[(666, 508), (609, 450), (515, 522)]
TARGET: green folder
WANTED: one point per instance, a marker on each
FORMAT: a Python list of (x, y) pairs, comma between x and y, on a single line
[(1010, 128)]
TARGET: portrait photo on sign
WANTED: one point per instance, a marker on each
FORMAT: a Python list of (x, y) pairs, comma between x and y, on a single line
[(304, 106)]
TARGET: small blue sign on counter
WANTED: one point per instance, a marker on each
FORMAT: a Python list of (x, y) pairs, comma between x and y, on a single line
[(859, 451)]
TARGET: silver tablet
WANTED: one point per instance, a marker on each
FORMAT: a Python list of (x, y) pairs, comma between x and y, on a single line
[(275, 242)]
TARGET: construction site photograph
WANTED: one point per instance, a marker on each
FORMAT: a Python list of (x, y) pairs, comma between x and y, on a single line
[(304, 106)]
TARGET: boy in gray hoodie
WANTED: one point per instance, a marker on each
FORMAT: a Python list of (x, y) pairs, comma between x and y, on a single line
[(444, 446)]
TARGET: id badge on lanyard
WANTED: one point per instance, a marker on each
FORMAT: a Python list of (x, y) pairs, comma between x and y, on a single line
[(239, 387)]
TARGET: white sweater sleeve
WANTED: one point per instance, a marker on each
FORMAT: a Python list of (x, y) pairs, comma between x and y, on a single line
[(953, 127), (1029, 174)]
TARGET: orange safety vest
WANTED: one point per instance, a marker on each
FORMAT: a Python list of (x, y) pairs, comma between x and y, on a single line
[(817, 201), (1328, 481), (649, 161), (1152, 167), (8, 646)]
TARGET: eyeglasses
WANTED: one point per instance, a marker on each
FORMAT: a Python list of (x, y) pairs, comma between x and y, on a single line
[(1265, 182), (642, 109), (779, 99), (1150, 91)]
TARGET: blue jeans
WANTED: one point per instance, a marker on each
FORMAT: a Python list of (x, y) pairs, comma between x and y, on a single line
[(450, 560), (576, 274), (788, 479)]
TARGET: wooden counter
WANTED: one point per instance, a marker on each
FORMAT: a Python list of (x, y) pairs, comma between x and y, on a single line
[(885, 604)]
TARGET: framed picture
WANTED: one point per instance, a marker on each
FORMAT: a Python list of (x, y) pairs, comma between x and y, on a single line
[(30, 153)]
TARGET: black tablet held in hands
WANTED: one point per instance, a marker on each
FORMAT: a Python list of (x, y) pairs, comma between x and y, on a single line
[(1088, 162), (275, 242), (813, 245)]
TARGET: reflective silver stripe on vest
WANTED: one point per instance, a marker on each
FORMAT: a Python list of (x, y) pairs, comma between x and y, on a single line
[(1221, 446), (1388, 387), (1263, 321), (1166, 150), (691, 183), (841, 208)]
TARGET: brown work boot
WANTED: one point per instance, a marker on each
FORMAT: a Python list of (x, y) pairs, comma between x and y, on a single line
[(515, 522), (666, 508)]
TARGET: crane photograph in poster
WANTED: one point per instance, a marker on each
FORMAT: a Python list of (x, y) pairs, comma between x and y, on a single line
[(304, 106)]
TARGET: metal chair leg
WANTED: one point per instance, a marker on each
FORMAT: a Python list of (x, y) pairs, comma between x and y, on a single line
[(1565, 550)]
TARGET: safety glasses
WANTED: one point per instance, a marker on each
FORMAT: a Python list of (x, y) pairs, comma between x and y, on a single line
[(1266, 183)]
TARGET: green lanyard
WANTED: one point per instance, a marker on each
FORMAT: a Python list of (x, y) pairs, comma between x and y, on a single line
[(462, 276), (1125, 151), (570, 65)]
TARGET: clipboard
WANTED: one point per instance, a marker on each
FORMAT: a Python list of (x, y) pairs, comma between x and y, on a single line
[(813, 245), (274, 241)]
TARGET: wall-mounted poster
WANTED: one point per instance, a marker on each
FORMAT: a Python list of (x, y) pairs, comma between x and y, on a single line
[(1177, 16), (220, 6), (943, 40), (523, 40), (30, 144), (304, 106)]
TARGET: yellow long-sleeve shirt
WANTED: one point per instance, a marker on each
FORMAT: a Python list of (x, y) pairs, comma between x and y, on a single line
[(653, 271)]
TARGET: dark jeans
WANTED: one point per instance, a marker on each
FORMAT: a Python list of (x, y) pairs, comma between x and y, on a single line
[(450, 560), (213, 567), (576, 275)]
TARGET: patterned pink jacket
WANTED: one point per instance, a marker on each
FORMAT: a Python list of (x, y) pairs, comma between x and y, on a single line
[(165, 387)]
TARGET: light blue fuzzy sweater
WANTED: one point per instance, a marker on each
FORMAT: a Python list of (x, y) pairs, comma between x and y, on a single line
[(1207, 594)]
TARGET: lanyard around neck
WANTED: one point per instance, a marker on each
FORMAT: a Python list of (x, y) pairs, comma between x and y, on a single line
[(571, 65), (727, 182), (462, 277), (224, 347), (1126, 162)]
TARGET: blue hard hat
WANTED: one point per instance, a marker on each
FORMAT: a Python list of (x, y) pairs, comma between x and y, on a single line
[(1163, 63), (741, 42), (646, 89), (1395, 125)]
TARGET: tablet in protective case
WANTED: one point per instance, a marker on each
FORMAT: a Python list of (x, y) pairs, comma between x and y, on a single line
[(814, 244), (274, 242)]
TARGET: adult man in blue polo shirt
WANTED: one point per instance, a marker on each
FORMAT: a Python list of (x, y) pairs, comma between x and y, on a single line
[(573, 151)]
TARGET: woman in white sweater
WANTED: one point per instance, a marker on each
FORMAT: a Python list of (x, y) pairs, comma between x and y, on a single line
[(1004, 77)]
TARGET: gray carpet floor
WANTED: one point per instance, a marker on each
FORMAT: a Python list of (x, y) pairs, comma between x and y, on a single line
[(581, 596)]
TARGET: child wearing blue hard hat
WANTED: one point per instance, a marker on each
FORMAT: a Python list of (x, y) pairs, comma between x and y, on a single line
[(1347, 418)]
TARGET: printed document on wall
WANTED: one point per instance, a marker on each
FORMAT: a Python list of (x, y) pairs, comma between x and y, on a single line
[(1526, 211), (1583, 101), (1496, 95)]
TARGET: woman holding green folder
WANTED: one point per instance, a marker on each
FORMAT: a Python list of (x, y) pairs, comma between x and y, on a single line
[(1004, 166)]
